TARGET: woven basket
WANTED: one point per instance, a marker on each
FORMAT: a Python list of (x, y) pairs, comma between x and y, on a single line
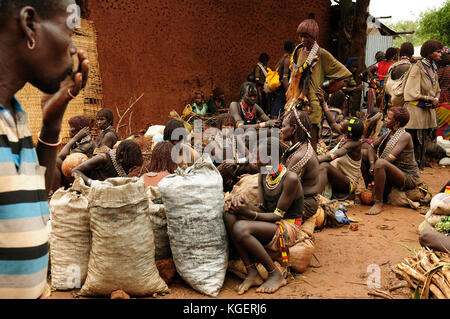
[(88, 101)]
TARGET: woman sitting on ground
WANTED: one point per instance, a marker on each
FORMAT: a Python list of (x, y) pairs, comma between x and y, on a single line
[(342, 166), (199, 106), (277, 216), (115, 163), (301, 158), (229, 153), (176, 133), (80, 142), (161, 164), (247, 113), (391, 158), (108, 136)]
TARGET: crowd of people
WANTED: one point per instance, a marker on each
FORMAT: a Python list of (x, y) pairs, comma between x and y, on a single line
[(289, 185)]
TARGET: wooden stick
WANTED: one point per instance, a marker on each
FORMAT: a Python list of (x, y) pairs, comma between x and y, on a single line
[(380, 293), (126, 111), (401, 284)]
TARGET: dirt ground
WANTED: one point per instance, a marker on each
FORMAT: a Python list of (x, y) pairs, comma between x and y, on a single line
[(344, 257)]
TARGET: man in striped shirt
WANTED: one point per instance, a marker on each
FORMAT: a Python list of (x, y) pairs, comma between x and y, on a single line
[(35, 46)]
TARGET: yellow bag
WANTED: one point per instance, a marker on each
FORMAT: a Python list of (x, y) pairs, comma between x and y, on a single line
[(272, 81)]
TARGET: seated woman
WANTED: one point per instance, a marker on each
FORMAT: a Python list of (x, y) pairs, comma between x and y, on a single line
[(301, 158), (115, 163), (217, 101), (391, 158), (229, 153), (199, 106), (80, 142), (176, 133), (278, 217), (161, 164), (343, 165), (247, 113), (108, 136)]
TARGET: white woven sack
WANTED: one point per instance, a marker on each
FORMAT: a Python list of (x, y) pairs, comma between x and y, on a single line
[(69, 236), (122, 251), (195, 204)]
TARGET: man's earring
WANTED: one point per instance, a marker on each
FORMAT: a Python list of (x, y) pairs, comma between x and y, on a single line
[(31, 44)]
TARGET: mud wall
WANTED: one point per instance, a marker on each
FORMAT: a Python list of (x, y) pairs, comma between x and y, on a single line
[(159, 47)]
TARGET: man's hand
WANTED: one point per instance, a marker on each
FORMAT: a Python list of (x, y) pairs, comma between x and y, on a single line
[(54, 106)]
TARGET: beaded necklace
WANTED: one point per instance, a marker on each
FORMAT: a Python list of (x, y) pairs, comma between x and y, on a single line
[(273, 183), (119, 169), (305, 158), (249, 115), (427, 65), (85, 139), (391, 142)]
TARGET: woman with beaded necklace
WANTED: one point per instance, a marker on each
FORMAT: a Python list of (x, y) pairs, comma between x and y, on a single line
[(301, 158), (108, 136), (342, 166), (247, 113), (421, 94), (115, 163), (391, 158), (272, 224)]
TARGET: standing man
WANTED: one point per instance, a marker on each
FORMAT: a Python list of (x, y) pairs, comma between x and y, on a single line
[(311, 66), (36, 47)]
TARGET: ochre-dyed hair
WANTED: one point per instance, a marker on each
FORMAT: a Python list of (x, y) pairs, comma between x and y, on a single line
[(429, 47), (171, 126), (132, 154), (390, 53), (306, 122), (161, 158), (401, 115), (80, 121), (407, 49), (225, 119), (309, 26), (107, 114)]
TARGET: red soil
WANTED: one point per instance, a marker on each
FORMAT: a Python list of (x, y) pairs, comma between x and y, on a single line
[(343, 256)]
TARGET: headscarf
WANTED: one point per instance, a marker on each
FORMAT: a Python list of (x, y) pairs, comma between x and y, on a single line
[(379, 55), (309, 26)]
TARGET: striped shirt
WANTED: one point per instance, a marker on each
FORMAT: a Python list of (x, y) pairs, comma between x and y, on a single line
[(24, 210)]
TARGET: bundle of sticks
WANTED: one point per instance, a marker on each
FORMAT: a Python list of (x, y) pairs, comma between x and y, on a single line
[(427, 273)]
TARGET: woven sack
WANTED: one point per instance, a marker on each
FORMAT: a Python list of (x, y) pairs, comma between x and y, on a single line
[(195, 205), (69, 236), (123, 250)]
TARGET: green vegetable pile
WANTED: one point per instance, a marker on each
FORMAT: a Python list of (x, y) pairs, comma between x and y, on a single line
[(444, 225)]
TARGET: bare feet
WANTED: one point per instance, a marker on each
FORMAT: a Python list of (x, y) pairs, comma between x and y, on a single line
[(273, 283), (253, 279), (375, 209)]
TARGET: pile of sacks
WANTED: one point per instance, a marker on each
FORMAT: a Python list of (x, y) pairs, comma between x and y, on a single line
[(445, 144), (439, 208), (101, 239), (114, 235)]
